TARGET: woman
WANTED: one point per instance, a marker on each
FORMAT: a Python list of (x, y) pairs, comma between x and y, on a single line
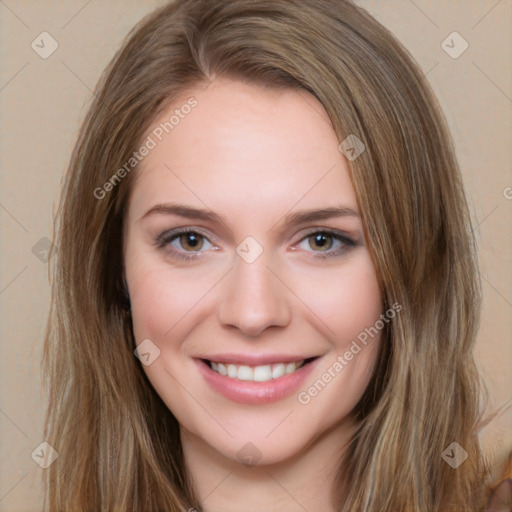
[(228, 143)]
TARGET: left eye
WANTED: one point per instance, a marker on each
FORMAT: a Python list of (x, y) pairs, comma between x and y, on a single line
[(320, 239), (322, 242)]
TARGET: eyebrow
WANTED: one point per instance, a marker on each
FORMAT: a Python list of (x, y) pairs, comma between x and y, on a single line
[(295, 218)]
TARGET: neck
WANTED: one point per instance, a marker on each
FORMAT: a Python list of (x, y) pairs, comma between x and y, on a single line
[(304, 481)]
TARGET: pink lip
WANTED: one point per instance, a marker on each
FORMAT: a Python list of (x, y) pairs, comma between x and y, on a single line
[(249, 392)]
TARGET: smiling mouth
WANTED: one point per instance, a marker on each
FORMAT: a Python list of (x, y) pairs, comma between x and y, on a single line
[(262, 373)]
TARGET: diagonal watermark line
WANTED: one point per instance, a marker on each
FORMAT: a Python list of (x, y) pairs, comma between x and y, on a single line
[(95, 94), (303, 96), (79, 78), (14, 485), (68, 478), (492, 81), (497, 500), (495, 415), (286, 491), (15, 75), (199, 403), (165, 165), (424, 14), (488, 12), (485, 218), (301, 300), (13, 279), (1, 410), (431, 69), (408, 408), (4, 4), (279, 423), (210, 82), (216, 487), (13, 217), (497, 291), (192, 307), (75, 15), (301, 198)]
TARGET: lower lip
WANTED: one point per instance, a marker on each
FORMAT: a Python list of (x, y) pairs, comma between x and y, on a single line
[(251, 392)]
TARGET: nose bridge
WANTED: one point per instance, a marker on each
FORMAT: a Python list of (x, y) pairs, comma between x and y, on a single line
[(254, 298)]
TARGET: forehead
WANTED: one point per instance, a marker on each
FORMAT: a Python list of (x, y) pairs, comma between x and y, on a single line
[(243, 146)]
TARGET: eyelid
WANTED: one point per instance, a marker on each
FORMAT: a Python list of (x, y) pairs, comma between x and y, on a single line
[(335, 233), (173, 233)]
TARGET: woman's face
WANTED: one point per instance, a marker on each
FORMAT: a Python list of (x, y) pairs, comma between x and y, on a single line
[(267, 279)]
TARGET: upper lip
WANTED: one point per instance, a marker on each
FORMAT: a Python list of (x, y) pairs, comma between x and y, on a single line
[(255, 359)]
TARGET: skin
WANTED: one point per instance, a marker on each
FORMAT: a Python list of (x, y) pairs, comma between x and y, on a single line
[(253, 155)]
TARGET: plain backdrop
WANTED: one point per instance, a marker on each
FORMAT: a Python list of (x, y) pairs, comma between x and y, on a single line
[(43, 102)]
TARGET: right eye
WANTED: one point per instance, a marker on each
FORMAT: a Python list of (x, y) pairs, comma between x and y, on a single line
[(190, 241)]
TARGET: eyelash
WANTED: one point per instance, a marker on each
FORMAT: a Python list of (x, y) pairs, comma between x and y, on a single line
[(166, 238)]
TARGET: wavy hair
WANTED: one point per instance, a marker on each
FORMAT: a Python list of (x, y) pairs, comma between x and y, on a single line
[(118, 444)]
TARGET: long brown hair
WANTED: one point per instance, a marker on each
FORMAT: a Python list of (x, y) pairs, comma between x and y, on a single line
[(118, 444)]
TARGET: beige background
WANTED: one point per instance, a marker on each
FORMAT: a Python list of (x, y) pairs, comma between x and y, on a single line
[(42, 103)]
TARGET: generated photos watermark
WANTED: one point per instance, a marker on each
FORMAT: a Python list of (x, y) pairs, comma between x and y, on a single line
[(305, 397), (156, 136)]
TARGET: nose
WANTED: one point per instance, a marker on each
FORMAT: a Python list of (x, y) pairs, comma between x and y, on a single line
[(255, 298)]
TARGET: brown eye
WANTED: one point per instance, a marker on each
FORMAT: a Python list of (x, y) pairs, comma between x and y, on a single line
[(183, 243), (321, 241), (326, 244), (191, 241)]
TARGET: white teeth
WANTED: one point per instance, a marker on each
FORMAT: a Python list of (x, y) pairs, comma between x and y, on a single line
[(232, 370), (290, 368), (245, 373), (278, 371), (262, 373)]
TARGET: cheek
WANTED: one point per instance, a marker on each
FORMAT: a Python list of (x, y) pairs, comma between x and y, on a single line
[(150, 302), (162, 298), (345, 300)]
